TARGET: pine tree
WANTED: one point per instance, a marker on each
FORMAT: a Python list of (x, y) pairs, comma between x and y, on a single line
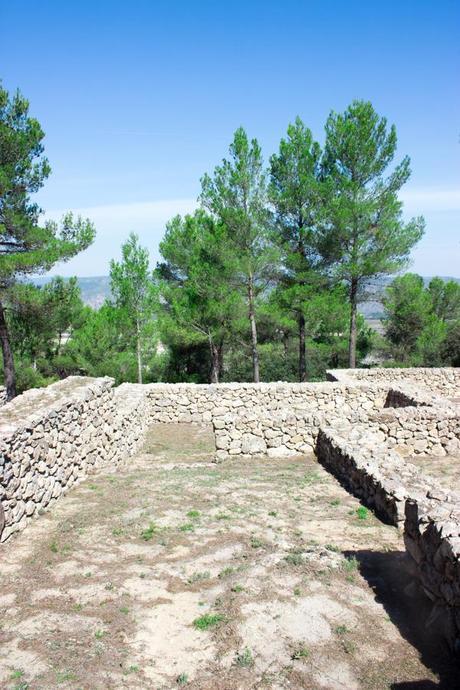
[(27, 246)]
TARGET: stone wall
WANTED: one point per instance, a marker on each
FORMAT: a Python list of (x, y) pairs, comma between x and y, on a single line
[(441, 381), (271, 418), (432, 538), (54, 437)]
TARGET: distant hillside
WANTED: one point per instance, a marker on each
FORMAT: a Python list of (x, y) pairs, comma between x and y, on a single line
[(371, 307), (94, 290)]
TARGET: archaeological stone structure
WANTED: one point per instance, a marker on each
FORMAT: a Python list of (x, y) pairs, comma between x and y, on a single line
[(364, 425)]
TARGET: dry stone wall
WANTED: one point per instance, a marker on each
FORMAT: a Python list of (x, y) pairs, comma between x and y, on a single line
[(443, 381), (52, 438), (269, 418)]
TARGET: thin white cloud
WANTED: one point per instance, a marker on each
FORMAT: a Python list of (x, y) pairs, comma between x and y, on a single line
[(431, 199), (113, 224)]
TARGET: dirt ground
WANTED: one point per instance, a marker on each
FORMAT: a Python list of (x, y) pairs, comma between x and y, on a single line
[(445, 470), (177, 572)]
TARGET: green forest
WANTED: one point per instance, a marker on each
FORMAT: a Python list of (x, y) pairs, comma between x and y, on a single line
[(261, 283)]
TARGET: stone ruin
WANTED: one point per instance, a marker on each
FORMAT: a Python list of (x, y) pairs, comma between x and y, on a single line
[(362, 424)]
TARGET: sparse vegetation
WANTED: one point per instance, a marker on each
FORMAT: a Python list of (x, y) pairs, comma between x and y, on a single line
[(208, 620), (244, 658)]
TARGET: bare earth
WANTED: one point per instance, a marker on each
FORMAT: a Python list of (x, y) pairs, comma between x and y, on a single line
[(176, 572)]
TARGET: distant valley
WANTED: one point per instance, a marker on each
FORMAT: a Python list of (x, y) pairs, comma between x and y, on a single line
[(96, 289)]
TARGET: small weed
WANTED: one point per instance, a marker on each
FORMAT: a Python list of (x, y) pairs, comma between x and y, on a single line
[(226, 572), (223, 516), (207, 621), (188, 527), (78, 607), (134, 668), (142, 576), (99, 634), (124, 609), (62, 676), (182, 679), (244, 658), (54, 547), (341, 630), (350, 565), (311, 478), (332, 547), (348, 646), (198, 577), (257, 543), (147, 534), (294, 559), (117, 531), (17, 673), (272, 513), (237, 588), (300, 653), (193, 514), (335, 502), (109, 586), (88, 574), (362, 513), (297, 591)]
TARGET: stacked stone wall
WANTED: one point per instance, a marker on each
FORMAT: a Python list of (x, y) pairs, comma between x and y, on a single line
[(269, 418), (52, 438), (443, 381)]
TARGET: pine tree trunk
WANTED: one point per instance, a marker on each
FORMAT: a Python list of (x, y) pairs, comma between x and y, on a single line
[(8, 361), (139, 353), (353, 334), (252, 321), (221, 360), (302, 350), (215, 364)]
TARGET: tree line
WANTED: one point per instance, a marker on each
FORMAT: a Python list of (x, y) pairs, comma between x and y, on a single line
[(261, 282)]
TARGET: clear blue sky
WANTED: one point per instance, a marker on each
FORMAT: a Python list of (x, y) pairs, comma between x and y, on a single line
[(139, 98)]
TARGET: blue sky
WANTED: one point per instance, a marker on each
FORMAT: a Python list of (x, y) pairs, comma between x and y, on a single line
[(139, 99)]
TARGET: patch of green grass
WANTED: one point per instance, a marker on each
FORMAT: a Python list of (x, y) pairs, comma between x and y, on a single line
[(341, 629), (244, 658), (226, 572), (350, 565), (198, 577), (294, 559), (54, 547), (182, 679), (362, 513), (193, 514), (300, 653), (335, 502), (148, 532), (332, 547), (187, 527), (134, 668), (63, 676), (257, 543), (237, 588), (312, 477), (117, 531), (17, 673), (208, 620)]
